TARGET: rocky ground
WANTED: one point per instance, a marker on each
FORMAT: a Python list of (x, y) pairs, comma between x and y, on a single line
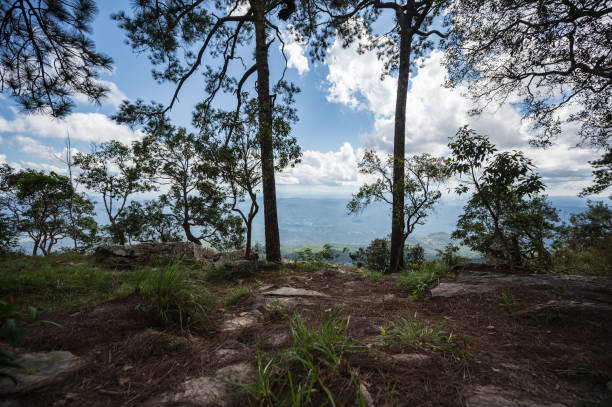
[(518, 340)]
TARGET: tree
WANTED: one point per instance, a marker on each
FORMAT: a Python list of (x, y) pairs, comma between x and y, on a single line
[(602, 173), (115, 172), (197, 197), (424, 176), (399, 44), (46, 56), (239, 159), (181, 35), (37, 203), (505, 218), (553, 55), (591, 228), (8, 234), (374, 257), (159, 226)]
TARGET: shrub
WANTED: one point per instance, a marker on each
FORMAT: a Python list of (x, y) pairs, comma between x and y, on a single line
[(414, 256), (449, 255), (375, 256), (417, 281), (171, 298)]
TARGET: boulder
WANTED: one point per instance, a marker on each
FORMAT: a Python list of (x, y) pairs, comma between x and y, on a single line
[(294, 292), (154, 254)]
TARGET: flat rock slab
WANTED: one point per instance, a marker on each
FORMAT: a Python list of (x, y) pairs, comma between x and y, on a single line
[(39, 369), (412, 359), (475, 282), (294, 292), (218, 390), (453, 289), (243, 320), (491, 396)]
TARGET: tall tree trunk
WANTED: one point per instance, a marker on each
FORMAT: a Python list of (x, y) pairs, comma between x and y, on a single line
[(399, 144), (265, 132)]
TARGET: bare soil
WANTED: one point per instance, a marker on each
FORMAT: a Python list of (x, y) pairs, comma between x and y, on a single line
[(523, 345)]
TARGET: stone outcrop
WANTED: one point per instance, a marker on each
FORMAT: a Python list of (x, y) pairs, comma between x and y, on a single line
[(154, 254), (35, 370)]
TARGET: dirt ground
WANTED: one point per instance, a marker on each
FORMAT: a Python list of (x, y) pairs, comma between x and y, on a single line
[(535, 345)]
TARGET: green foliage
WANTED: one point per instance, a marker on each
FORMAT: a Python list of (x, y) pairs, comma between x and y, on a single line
[(298, 376), (171, 299), (414, 256), (507, 300), (58, 281), (501, 49), (41, 206), (602, 173), (585, 245), (416, 332), (375, 257), (505, 218), (237, 294), (419, 280), (325, 254), (449, 256), (424, 177), (115, 172), (229, 272), (8, 234), (47, 55)]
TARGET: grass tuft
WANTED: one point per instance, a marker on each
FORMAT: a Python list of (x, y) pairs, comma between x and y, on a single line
[(415, 332)]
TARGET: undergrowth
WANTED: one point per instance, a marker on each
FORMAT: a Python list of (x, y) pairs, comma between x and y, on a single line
[(419, 280), (310, 369), (171, 299), (415, 332)]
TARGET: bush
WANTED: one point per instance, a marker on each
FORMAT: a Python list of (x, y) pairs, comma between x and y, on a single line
[(415, 332), (171, 299), (449, 255), (414, 256), (419, 280), (374, 257)]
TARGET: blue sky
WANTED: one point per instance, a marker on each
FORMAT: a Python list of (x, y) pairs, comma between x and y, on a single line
[(344, 108)]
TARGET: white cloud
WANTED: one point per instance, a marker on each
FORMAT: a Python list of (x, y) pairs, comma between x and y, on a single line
[(434, 113), (41, 166), (113, 98), (35, 148), (294, 48), (326, 169), (92, 127)]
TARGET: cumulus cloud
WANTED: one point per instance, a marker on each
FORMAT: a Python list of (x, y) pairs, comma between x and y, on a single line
[(91, 127), (294, 48), (434, 113), (332, 168)]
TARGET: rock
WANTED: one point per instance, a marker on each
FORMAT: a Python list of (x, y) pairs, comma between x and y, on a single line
[(294, 292), (39, 369), (129, 256), (452, 289), (243, 320), (491, 396), (217, 391), (609, 384), (276, 340), (367, 397), (412, 359)]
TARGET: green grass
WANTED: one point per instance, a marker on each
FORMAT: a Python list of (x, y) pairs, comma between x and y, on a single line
[(418, 333), (59, 281), (171, 298), (588, 262), (372, 275), (305, 373), (229, 272), (237, 294), (418, 281)]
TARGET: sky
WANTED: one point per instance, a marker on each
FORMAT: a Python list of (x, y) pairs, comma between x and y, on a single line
[(344, 108)]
